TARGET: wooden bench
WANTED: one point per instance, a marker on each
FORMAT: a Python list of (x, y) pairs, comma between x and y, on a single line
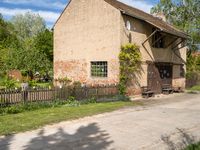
[(147, 92), (167, 89), (178, 89)]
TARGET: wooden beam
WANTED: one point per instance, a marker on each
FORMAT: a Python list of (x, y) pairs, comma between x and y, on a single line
[(146, 41), (172, 43), (178, 44), (179, 48), (157, 40), (149, 37)]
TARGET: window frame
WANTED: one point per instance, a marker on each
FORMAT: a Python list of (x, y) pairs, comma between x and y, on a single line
[(160, 43), (102, 65), (128, 25), (165, 71)]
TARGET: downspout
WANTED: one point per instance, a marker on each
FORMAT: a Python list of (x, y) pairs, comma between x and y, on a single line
[(143, 44)]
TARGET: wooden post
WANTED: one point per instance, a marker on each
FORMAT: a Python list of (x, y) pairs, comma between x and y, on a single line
[(24, 92)]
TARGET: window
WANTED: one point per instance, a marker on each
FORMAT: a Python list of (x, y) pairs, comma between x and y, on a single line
[(99, 69), (128, 25), (165, 71), (158, 40)]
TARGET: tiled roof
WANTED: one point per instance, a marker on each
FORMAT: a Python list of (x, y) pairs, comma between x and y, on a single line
[(160, 24)]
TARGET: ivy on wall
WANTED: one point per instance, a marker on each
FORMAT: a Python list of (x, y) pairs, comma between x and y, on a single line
[(130, 60)]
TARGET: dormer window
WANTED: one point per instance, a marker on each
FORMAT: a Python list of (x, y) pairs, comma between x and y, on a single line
[(128, 25)]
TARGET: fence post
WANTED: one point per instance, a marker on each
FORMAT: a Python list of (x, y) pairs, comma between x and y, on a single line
[(24, 96), (97, 92), (24, 92), (86, 92)]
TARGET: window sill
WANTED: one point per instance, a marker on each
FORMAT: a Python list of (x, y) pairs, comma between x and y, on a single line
[(99, 78)]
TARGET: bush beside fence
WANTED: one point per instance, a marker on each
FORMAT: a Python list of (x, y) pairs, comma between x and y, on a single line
[(193, 79), (17, 96)]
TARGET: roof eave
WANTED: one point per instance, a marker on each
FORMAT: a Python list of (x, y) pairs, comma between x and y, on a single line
[(181, 36), (61, 14)]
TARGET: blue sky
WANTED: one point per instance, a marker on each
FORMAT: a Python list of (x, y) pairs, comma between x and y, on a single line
[(51, 9)]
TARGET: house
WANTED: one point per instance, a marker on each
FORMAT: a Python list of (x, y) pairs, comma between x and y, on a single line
[(88, 37)]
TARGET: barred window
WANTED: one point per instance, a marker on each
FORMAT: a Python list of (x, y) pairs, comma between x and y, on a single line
[(99, 69)]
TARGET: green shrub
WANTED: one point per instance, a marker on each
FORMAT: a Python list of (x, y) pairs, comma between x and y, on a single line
[(14, 109), (193, 147), (90, 101), (122, 85), (9, 83), (72, 102), (123, 98), (130, 60), (32, 83), (64, 81), (195, 88), (77, 84)]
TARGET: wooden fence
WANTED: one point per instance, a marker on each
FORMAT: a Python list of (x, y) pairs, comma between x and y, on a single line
[(192, 80), (16, 96)]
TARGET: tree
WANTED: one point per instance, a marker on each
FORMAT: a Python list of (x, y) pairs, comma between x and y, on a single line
[(28, 25), (184, 14), (26, 45), (8, 41), (28, 59), (44, 43), (3, 37)]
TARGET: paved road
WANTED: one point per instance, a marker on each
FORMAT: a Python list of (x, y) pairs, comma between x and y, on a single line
[(170, 123)]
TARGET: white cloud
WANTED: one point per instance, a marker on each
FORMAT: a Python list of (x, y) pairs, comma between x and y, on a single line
[(38, 3), (140, 4), (48, 16)]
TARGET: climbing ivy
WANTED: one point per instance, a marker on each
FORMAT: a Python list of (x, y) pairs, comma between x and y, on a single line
[(130, 60)]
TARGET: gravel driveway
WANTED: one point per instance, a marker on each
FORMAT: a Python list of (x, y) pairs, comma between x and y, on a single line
[(167, 123)]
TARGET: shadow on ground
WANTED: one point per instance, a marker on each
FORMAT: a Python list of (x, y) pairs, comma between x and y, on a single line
[(183, 139), (4, 143), (86, 138)]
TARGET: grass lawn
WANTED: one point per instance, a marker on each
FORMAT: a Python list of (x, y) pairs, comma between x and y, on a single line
[(195, 88), (44, 85), (14, 123)]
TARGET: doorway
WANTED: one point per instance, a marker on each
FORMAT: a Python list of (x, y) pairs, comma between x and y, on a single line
[(159, 74)]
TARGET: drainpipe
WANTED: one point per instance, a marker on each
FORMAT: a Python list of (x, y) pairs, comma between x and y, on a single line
[(143, 44)]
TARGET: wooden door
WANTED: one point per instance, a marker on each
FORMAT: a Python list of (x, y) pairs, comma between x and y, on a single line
[(154, 80), (165, 71)]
